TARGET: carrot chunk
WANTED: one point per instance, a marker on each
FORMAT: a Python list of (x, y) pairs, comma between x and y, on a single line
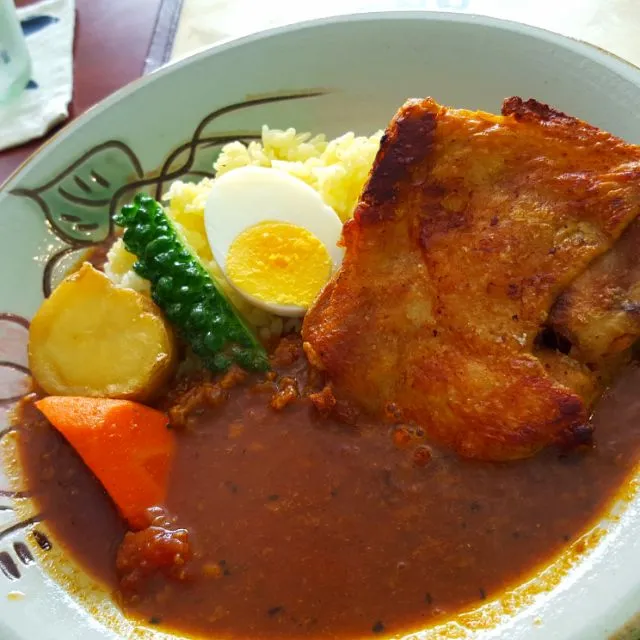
[(127, 446)]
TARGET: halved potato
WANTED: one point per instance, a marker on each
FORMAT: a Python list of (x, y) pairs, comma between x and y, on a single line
[(91, 338)]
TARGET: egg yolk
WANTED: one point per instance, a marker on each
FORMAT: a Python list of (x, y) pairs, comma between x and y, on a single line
[(279, 262)]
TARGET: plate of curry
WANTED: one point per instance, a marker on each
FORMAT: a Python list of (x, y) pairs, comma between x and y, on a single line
[(441, 404)]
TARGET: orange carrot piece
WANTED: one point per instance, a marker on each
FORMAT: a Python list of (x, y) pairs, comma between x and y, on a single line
[(128, 446)]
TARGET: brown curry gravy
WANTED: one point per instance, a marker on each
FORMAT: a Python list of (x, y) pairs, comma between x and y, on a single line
[(305, 527)]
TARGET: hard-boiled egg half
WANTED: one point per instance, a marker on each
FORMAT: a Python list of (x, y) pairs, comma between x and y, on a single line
[(273, 237)]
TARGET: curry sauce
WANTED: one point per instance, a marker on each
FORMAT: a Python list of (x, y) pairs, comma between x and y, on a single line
[(300, 525)]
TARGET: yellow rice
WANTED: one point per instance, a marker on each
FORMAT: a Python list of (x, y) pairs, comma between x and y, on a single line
[(336, 169)]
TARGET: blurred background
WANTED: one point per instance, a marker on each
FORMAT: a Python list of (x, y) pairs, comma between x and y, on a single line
[(101, 45)]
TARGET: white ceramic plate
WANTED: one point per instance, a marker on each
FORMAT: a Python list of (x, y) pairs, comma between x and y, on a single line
[(348, 73)]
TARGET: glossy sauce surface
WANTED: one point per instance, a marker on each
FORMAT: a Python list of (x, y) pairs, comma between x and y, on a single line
[(305, 527)]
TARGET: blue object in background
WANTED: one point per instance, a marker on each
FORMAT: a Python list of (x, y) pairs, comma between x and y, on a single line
[(37, 23), (30, 26)]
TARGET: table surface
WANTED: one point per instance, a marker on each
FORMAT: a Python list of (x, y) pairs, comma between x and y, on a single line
[(110, 50), (112, 39), (610, 24)]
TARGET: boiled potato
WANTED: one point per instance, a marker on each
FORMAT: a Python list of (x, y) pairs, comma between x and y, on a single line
[(91, 338)]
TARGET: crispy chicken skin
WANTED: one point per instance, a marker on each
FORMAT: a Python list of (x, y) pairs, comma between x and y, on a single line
[(470, 226), (599, 313)]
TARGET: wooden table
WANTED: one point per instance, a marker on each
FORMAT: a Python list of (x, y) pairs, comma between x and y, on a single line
[(110, 50)]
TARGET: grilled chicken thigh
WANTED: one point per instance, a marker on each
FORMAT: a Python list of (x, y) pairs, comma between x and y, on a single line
[(472, 227)]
